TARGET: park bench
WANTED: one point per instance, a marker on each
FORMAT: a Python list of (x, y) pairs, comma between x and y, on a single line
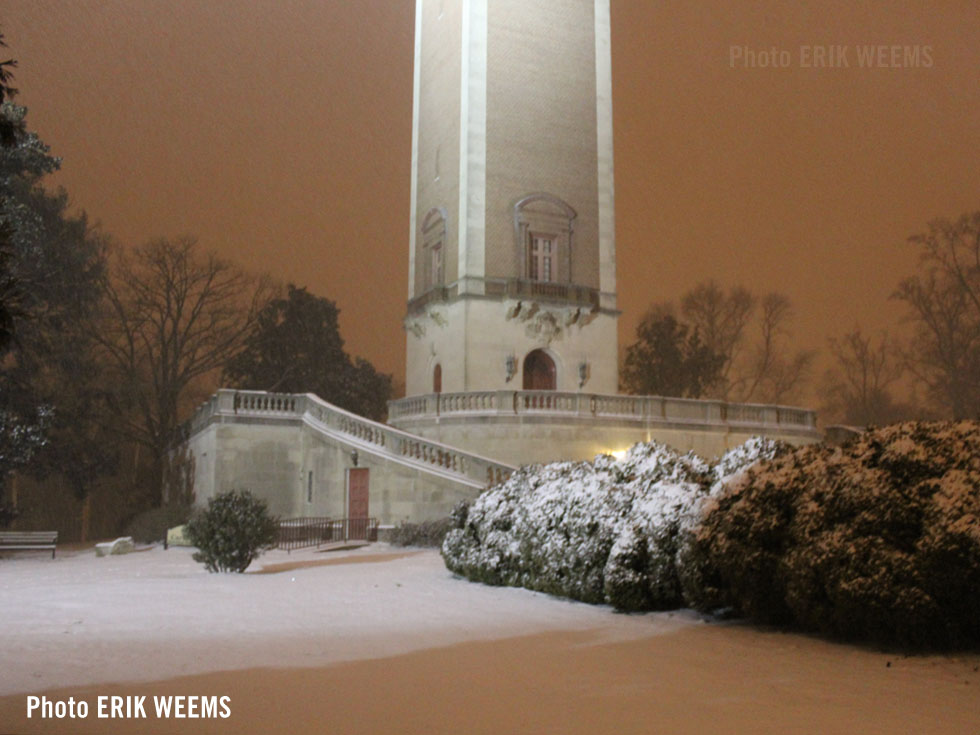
[(28, 540)]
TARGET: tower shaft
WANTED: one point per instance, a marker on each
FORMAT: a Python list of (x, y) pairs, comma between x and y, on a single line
[(512, 276)]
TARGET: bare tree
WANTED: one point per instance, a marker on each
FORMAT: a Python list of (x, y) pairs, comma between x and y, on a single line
[(173, 315), (752, 335), (858, 389), (773, 373), (721, 320), (943, 303)]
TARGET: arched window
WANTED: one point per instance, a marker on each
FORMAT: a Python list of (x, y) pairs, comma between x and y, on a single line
[(437, 379), (539, 371), (433, 249), (543, 226)]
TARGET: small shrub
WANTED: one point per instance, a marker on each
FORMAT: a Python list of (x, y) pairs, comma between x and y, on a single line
[(231, 533), (426, 533), (151, 525)]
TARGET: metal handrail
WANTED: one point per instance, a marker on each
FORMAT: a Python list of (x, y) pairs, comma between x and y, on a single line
[(302, 533)]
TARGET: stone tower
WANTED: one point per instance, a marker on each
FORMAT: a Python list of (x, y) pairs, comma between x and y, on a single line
[(512, 272)]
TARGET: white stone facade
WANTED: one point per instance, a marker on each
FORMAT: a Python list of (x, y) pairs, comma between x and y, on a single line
[(512, 106), (481, 344)]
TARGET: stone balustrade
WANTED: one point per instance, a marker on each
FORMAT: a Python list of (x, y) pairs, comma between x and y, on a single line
[(380, 439), (642, 409)]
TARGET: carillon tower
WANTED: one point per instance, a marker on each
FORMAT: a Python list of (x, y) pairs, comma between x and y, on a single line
[(511, 313), (512, 272)]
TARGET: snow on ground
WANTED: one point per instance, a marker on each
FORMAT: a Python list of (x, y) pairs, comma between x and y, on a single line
[(79, 619)]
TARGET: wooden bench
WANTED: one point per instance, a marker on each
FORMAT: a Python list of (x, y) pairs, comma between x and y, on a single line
[(28, 540)]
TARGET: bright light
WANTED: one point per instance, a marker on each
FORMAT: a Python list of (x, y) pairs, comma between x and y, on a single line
[(619, 454)]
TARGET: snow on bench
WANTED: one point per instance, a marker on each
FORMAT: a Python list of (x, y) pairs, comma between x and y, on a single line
[(28, 540)]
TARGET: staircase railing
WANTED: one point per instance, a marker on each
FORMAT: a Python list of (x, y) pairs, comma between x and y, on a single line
[(365, 435)]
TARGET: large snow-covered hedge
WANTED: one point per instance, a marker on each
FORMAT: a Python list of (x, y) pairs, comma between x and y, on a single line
[(877, 540), (601, 531)]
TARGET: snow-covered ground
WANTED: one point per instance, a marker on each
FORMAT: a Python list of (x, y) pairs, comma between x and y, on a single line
[(79, 619)]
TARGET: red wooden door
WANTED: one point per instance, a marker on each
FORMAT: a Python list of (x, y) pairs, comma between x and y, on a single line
[(357, 501), (539, 371)]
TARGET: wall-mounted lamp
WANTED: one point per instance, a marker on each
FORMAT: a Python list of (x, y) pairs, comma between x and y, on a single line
[(511, 366), (353, 457), (583, 373)]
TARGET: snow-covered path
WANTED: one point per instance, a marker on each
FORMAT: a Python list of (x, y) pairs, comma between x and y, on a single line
[(156, 614)]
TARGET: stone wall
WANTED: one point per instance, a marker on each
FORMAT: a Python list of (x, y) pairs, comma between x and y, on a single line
[(294, 451)]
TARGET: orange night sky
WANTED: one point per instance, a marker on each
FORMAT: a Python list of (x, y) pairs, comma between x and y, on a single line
[(279, 133)]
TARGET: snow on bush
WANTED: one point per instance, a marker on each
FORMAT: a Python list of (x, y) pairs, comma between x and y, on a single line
[(232, 531), (877, 540), (601, 531), (424, 534), (697, 577)]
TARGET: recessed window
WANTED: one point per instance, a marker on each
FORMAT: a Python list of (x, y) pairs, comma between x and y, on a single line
[(435, 264), (309, 487), (437, 379), (543, 227), (432, 255)]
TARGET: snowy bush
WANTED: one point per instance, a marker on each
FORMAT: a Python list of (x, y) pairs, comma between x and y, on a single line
[(231, 533), (602, 531), (700, 584), (877, 540), (425, 533)]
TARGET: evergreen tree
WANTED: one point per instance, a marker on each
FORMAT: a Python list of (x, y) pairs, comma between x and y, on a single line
[(9, 291), (50, 265), (669, 359), (296, 347)]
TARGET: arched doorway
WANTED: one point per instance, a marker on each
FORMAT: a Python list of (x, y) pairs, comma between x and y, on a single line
[(437, 378), (539, 371)]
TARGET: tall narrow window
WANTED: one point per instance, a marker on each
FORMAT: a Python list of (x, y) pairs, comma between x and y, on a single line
[(431, 266), (437, 379), (309, 487), (542, 256), (435, 264)]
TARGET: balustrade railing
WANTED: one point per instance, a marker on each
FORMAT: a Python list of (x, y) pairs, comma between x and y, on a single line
[(400, 445), (378, 438), (652, 409)]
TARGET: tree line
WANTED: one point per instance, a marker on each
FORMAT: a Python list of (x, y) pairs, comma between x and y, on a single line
[(734, 345), (105, 349)]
